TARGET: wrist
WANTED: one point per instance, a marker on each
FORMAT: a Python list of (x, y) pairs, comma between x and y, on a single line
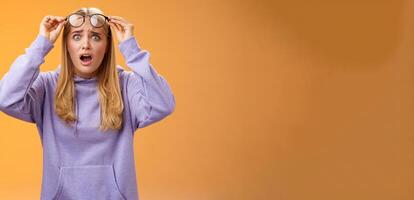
[(45, 35)]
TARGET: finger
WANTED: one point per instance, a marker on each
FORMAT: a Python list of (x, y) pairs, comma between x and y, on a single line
[(60, 27), (46, 21), (111, 24), (117, 26), (51, 21), (58, 19), (114, 21), (46, 18), (116, 17), (118, 21), (52, 18)]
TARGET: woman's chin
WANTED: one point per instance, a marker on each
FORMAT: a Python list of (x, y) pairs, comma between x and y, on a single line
[(85, 71)]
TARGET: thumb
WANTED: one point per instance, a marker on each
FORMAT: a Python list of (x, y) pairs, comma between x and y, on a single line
[(60, 27), (57, 31)]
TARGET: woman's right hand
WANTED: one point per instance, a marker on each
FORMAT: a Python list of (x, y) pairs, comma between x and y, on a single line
[(51, 26)]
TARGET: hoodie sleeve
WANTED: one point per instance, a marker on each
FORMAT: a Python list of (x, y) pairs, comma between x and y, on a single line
[(21, 88), (149, 95)]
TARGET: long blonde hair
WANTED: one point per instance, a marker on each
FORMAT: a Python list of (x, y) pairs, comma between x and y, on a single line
[(110, 98)]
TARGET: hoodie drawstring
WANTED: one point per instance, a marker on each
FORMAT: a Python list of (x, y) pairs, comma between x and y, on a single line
[(76, 114)]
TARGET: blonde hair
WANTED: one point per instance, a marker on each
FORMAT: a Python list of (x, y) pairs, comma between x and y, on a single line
[(110, 99)]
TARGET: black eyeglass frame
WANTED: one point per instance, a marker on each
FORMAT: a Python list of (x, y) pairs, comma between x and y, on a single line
[(83, 19)]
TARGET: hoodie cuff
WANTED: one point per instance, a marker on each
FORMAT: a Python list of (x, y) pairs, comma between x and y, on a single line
[(40, 47), (129, 47)]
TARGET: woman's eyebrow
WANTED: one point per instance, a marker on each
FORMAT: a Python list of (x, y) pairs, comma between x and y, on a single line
[(80, 31), (96, 32)]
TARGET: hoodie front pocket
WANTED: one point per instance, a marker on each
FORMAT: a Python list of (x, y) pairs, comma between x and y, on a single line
[(87, 182)]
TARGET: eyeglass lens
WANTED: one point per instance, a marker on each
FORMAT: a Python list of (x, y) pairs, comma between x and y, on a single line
[(96, 20)]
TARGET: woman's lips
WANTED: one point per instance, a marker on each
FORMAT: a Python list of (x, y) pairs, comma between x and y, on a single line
[(86, 63), (86, 60)]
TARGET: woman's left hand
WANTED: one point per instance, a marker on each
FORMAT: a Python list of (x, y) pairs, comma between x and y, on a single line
[(123, 29)]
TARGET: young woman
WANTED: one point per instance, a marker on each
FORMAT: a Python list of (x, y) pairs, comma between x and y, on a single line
[(88, 109)]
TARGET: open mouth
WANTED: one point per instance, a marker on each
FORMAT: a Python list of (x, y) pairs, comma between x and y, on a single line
[(86, 59)]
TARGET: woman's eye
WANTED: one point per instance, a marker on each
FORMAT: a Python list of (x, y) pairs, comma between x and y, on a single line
[(76, 37), (96, 37)]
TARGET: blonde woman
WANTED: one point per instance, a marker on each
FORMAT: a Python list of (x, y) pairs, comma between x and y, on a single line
[(88, 109)]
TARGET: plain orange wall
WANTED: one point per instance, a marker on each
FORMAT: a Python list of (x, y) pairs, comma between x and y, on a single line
[(292, 100)]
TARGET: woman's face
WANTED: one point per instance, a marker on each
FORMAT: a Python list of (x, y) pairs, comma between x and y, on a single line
[(87, 47)]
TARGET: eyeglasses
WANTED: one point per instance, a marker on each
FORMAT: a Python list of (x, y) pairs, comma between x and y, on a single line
[(96, 20)]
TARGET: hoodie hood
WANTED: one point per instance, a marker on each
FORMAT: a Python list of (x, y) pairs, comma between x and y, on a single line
[(79, 79)]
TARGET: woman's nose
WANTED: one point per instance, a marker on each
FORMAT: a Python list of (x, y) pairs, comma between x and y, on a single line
[(85, 43)]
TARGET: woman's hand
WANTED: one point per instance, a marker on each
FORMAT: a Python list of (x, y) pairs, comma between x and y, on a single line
[(51, 26), (123, 29)]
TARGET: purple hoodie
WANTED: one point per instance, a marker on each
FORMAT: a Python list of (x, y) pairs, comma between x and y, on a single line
[(80, 162)]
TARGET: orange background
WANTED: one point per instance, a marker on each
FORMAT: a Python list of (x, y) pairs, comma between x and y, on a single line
[(292, 100)]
